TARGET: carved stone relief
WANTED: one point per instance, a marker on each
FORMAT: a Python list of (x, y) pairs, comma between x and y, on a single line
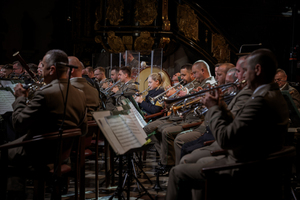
[(187, 21), (220, 48), (114, 12), (144, 42), (145, 11)]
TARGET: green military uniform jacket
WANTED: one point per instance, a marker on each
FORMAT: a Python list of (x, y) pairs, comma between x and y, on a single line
[(44, 114), (93, 102)]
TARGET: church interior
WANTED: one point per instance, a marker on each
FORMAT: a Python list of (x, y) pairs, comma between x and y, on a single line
[(164, 35)]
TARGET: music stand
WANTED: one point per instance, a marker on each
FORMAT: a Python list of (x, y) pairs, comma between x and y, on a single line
[(126, 136)]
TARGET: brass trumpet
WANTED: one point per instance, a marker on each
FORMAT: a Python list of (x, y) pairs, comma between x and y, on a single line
[(184, 87), (141, 93), (107, 90), (160, 97)]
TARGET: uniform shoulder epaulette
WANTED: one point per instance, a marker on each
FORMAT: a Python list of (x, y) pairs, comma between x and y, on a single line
[(45, 86)]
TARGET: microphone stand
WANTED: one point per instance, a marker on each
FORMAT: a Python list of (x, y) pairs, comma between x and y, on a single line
[(60, 130)]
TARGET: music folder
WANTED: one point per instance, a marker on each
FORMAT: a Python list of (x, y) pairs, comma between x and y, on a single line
[(122, 131)]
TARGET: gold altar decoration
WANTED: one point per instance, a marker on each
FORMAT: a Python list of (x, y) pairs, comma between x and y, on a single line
[(128, 41), (166, 26), (144, 43), (115, 43), (163, 41), (98, 15), (220, 48), (145, 11), (187, 21), (114, 12), (98, 39)]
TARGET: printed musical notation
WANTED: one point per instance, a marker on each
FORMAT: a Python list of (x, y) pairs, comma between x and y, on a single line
[(6, 100)]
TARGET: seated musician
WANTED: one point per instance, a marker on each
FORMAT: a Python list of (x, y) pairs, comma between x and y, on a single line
[(128, 88), (114, 72), (44, 113), (7, 71), (156, 83), (266, 108), (281, 80), (93, 102), (166, 128)]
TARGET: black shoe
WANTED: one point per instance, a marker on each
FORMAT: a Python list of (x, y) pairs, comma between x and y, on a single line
[(163, 170), (152, 149)]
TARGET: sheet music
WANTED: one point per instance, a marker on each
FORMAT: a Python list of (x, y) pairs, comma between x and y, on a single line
[(134, 113), (11, 83), (6, 100), (123, 133)]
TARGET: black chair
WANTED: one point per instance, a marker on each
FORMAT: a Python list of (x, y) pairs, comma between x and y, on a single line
[(38, 159)]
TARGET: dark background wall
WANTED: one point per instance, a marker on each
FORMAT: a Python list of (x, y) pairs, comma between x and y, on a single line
[(33, 27)]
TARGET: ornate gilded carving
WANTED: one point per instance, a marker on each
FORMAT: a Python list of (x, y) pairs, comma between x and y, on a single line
[(98, 39), (166, 26), (98, 15), (144, 43), (187, 21), (163, 41), (128, 41), (114, 12), (115, 43), (220, 49), (145, 11)]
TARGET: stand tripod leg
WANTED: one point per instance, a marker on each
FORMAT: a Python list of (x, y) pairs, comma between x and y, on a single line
[(119, 190), (132, 163)]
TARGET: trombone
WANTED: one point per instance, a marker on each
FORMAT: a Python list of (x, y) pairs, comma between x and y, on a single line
[(192, 102), (160, 97), (202, 92)]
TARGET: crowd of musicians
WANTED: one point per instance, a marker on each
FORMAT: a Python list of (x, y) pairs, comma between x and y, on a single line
[(252, 103)]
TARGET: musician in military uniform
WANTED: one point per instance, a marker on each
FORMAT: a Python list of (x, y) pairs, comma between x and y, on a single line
[(93, 102), (128, 87), (281, 80), (44, 113)]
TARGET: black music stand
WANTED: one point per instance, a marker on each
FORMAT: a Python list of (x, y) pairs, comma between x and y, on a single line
[(126, 137), (128, 175)]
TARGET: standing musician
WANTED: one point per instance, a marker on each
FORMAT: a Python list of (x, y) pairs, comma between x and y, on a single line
[(127, 88), (156, 85)]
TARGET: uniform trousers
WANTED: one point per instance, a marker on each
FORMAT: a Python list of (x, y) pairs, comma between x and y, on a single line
[(184, 137), (200, 153), (187, 181), (168, 135)]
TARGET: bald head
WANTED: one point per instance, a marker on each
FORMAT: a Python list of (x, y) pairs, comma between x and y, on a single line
[(76, 62)]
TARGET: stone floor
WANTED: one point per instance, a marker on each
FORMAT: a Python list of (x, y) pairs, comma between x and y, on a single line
[(105, 193)]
